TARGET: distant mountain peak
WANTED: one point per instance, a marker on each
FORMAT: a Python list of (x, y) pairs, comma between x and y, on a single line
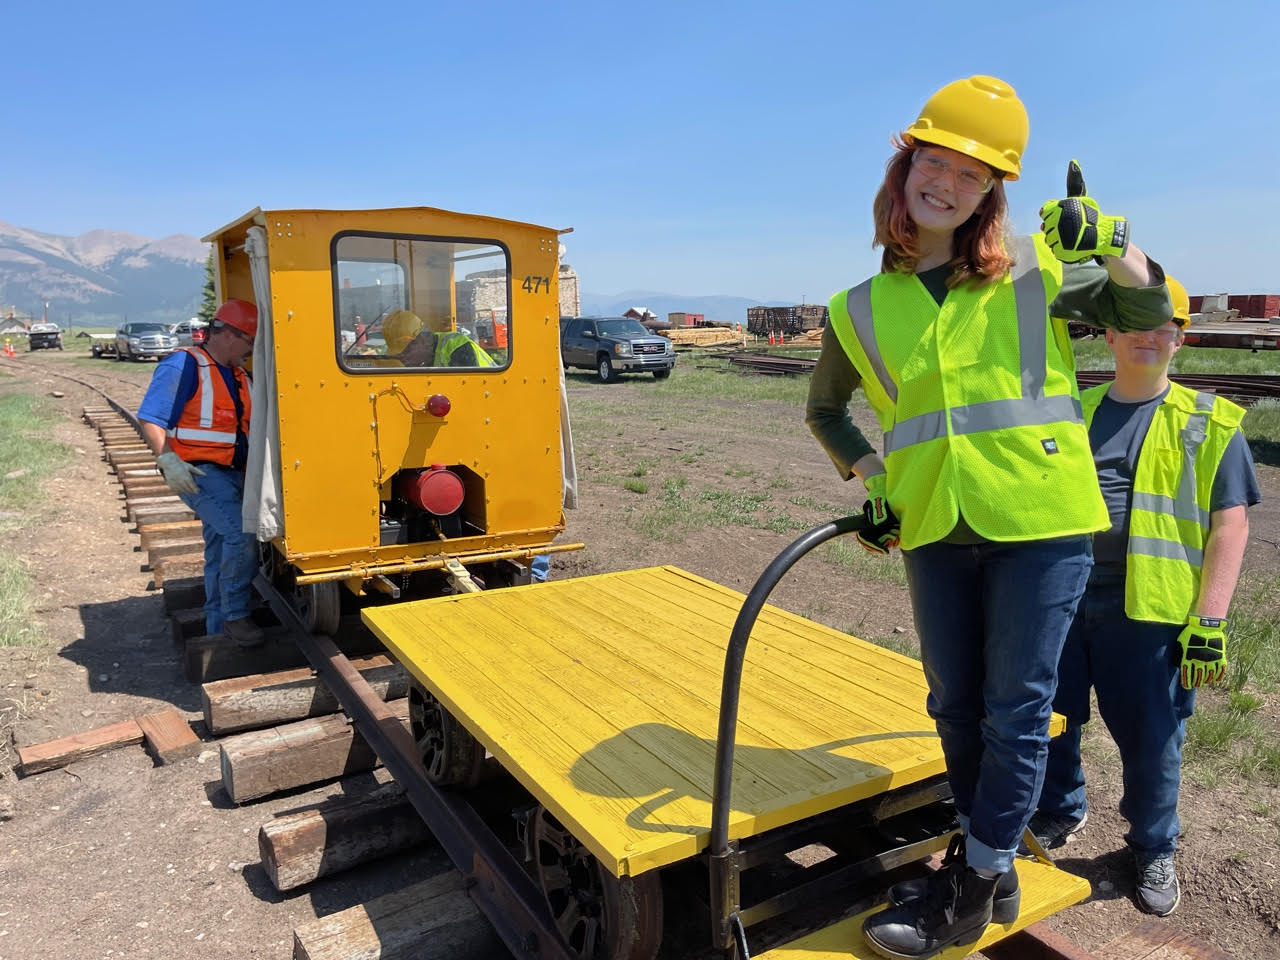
[(100, 272)]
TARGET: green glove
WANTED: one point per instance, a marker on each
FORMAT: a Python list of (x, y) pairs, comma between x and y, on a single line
[(1076, 229), (178, 474), (882, 531), (1204, 651)]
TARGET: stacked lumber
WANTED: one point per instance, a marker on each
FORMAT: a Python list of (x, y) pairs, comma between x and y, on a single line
[(702, 336)]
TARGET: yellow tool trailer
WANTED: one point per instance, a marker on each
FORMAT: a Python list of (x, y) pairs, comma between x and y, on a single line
[(602, 697)]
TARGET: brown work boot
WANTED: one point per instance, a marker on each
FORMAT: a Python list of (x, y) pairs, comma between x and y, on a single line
[(244, 632)]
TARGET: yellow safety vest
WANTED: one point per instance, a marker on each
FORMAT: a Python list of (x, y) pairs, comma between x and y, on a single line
[(1172, 490), (978, 403)]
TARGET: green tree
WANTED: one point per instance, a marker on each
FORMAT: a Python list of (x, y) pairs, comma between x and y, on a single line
[(209, 301)]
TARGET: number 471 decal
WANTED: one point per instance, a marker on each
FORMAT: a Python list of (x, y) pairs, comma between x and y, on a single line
[(536, 284)]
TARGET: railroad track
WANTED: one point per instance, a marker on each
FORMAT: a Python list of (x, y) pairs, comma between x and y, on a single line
[(1244, 389), (510, 900)]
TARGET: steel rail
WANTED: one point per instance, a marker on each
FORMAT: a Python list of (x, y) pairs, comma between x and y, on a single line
[(502, 889)]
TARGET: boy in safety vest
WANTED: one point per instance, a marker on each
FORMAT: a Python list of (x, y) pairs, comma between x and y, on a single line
[(434, 343), (1177, 477), (195, 418)]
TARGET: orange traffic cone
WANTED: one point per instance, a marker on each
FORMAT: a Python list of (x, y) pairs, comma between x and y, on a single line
[(770, 338), (8, 349)]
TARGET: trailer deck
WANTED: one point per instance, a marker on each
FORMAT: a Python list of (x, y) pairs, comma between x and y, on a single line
[(601, 695)]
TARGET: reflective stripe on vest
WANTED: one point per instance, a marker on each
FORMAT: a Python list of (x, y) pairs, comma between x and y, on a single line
[(1031, 409), (205, 371), (1169, 515)]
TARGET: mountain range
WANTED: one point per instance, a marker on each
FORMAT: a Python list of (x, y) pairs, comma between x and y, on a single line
[(101, 276)]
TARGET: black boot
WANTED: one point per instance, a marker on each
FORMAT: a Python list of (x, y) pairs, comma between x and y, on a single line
[(955, 909), (1004, 907)]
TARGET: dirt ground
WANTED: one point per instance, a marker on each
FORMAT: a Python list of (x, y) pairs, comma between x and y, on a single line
[(114, 856)]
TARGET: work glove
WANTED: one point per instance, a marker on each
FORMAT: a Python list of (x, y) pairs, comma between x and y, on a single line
[(1076, 229), (178, 474), (882, 531), (1204, 651)]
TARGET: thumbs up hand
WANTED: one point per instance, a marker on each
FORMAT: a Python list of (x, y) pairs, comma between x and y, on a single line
[(1076, 229)]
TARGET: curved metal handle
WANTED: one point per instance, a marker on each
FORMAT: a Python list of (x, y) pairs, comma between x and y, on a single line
[(730, 689)]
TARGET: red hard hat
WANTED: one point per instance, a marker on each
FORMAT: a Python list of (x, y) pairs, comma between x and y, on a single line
[(240, 314)]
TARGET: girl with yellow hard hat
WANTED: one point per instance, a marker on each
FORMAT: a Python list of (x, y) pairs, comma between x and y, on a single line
[(984, 477)]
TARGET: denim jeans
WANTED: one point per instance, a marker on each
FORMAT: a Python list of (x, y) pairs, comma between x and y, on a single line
[(992, 618), (230, 554), (1133, 666), (540, 567)]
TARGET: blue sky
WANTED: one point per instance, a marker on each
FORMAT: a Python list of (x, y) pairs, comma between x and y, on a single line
[(696, 148)]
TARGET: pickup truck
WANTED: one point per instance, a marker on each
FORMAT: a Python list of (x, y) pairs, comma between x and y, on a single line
[(44, 336), (614, 345)]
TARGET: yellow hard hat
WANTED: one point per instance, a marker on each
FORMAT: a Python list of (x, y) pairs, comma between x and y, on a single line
[(1181, 302), (438, 323), (399, 328), (982, 117)]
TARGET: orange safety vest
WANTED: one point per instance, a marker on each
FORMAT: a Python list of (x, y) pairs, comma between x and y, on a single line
[(206, 431)]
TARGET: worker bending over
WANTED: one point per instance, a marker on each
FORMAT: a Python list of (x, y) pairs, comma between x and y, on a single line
[(1177, 477), (195, 418)]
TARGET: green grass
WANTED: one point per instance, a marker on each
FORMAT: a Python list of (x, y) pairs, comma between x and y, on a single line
[(1096, 355), (23, 447), (635, 486), (15, 604), (897, 642), (846, 555)]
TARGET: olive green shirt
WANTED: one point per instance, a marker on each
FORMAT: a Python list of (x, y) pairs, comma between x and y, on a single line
[(1088, 295)]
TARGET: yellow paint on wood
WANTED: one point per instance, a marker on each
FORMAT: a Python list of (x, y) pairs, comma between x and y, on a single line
[(602, 695), (1045, 890)]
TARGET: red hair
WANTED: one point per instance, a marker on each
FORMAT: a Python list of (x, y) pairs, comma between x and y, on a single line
[(981, 253)]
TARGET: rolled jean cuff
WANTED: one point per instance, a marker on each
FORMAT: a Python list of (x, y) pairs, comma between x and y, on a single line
[(982, 857)]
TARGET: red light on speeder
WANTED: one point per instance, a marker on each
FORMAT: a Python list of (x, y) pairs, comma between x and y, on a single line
[(438, 405)]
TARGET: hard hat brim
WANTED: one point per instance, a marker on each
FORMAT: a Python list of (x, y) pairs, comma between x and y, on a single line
[(971, 148)]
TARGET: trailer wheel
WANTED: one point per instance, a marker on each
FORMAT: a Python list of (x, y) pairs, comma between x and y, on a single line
[(319, 606), (599, 916), (449, 753)]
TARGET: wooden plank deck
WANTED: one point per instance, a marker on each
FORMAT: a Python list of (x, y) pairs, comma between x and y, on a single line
[(601, 695)]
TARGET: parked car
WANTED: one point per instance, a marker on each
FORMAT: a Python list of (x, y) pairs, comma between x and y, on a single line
[(44, 336), (189, 332), (135, 340), (614, 345)]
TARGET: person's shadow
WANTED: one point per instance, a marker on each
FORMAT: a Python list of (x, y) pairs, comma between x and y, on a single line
[(675, 769)]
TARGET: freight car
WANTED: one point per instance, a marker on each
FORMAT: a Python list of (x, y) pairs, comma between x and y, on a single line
[(800, 318)]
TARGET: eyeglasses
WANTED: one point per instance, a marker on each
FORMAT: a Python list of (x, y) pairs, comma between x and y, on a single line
[(968, 180), (1160, 333), (238, 332)]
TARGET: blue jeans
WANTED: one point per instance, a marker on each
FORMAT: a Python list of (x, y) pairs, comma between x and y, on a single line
[(992, 618), (540, 567), (230, 554), (1133, 666)]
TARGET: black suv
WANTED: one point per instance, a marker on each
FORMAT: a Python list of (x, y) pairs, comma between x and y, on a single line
[(614, 345)]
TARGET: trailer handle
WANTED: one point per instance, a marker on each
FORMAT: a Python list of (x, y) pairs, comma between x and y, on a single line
[(722, 869)]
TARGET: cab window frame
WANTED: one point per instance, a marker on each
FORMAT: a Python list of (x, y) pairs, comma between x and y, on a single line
[(340, 347)]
